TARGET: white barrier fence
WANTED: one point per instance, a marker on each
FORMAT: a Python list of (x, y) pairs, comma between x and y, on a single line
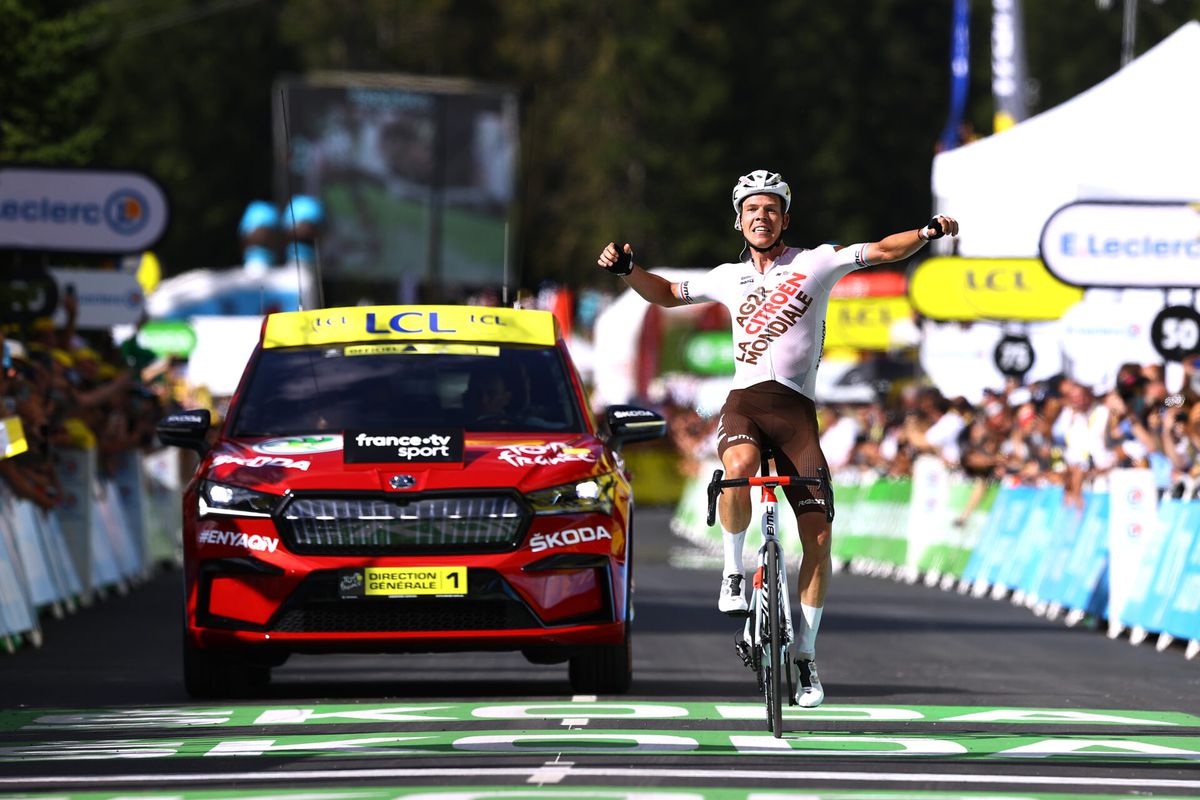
[(110, 532)]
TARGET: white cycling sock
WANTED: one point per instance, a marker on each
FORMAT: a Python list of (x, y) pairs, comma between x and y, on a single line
[(733, 551), (810, 622)]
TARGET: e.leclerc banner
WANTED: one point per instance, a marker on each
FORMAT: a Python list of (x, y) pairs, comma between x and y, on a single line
[(80, 210), (1124, 244)]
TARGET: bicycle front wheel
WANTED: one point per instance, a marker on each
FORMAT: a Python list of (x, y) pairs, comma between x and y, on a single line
[(773, 633)]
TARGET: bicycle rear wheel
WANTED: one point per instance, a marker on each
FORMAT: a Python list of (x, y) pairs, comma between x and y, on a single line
[(773, 636)]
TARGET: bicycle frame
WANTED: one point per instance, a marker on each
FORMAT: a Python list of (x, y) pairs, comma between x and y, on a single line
[(766, 656), (758, 627)]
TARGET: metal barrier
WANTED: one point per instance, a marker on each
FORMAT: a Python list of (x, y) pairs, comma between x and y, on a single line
[(108, 534), (1121, 555)]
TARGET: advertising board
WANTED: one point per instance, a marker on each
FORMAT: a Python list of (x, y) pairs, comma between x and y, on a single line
[(80, 210), (949, 288), (1124, 244), (106, 297)]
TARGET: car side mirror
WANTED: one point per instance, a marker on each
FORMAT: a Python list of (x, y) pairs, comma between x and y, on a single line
[(629, 424), (187, 429)]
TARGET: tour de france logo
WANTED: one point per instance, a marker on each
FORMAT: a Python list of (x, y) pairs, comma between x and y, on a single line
[(126, 212), (299, 445)]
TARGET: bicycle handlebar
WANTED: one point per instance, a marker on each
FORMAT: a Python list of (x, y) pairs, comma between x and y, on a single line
[(716, 485), (765, 480)]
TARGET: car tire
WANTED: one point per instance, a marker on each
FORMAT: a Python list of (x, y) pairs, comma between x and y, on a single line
[(215, 674), (603, 669)]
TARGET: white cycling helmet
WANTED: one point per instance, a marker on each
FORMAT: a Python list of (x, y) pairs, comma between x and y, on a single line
[(759, 182)]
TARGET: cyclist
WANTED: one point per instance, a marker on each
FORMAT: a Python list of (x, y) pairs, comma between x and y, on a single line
[(777, 297)]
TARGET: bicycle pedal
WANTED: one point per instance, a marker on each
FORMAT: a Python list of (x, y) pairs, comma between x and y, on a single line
[(737, 614), (742, 648)]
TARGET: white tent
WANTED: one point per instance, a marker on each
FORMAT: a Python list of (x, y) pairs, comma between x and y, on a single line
[(1133, 136)]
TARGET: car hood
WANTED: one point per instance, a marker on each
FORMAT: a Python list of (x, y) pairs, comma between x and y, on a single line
[(310, 463)]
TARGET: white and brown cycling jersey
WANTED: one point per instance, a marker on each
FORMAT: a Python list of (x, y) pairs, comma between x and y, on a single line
[(778, 315)]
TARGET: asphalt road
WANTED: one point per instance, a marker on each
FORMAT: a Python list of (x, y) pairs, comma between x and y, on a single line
[(927, 691)]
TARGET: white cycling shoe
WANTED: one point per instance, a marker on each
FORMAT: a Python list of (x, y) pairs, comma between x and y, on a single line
[(809, 692), (732, 599)]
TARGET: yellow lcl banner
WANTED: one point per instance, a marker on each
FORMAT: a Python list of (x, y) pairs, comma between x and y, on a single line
[(957, 289), (864, 323), (409, 323)]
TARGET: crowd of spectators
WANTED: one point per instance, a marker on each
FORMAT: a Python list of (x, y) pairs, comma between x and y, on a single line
[(75, 390), (1055, 431)]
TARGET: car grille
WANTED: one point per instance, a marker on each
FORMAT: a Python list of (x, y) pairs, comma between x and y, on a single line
[(387, 525), (490, 605), (436, 614)]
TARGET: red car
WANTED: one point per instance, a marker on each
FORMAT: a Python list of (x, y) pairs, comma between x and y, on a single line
[(408, 479)]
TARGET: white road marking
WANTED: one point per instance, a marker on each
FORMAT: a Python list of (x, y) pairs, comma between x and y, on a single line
[(584, 698), (551, 772), (724, 775), (575, 722)]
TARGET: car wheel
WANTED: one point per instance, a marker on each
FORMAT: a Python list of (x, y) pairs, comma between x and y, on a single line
[(214, 674), (603, 669)]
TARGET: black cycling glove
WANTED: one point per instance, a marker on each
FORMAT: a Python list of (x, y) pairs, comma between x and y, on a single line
[(624, 264), (935, 228)]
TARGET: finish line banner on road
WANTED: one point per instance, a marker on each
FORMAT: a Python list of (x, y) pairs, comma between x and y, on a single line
[(1067, 748), (416, 715), (1023, 541)]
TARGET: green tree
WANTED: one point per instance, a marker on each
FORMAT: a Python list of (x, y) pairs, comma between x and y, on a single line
[(188, 100), (636, 117), (49, 95)]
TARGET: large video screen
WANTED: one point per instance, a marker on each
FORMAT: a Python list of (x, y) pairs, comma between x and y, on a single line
[(416, 183)]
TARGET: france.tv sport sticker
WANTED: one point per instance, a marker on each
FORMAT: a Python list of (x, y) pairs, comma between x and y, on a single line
[(404, 446)]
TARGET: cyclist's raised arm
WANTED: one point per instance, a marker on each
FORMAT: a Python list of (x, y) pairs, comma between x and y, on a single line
[(901, 245), (653, 288)]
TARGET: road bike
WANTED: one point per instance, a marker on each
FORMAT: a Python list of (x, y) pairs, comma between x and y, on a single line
[(764, 642)]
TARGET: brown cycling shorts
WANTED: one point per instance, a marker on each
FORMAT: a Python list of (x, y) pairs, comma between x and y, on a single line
[(771, 414)]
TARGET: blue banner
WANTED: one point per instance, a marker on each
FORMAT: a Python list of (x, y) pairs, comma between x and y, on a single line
[(1005, 529), (960, 74), (1182, 617), (1087, 565), (1153, 585), (1027, 559), (1054, 584)]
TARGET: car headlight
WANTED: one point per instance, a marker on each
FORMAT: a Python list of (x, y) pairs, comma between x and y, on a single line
[(221, 499), (592, 494)]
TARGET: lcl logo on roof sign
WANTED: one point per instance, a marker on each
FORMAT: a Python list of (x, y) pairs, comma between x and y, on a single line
[(80, 210), (1124, 244)]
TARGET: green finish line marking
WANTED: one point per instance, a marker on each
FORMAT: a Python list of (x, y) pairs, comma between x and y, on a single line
[(1133, 750), (169, 718), (573, 793)]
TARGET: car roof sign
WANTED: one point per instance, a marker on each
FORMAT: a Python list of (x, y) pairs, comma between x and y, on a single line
[(402, 323)]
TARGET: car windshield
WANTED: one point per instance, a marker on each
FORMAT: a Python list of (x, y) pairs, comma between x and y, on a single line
[(481, 388)]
